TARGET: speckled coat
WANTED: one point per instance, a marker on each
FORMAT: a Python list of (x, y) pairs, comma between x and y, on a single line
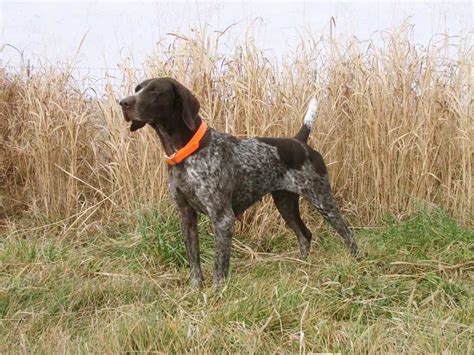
[(227, 175)]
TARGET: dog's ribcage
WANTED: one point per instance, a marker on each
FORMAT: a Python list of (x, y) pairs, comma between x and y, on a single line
[(241, 171)]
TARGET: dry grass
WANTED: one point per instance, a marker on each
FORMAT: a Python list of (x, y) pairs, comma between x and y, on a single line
[(90, 254), (395, 125)]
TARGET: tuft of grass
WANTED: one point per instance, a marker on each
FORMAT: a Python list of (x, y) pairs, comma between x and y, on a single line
[(157, 239), (127, 291), (425, 235)]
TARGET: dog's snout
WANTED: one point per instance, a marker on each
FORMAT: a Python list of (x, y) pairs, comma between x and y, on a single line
[(128, 101)]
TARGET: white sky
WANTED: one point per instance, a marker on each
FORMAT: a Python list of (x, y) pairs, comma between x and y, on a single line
[(52, 31)]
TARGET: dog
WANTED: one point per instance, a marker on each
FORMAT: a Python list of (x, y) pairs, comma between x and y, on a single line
[(221, 176)]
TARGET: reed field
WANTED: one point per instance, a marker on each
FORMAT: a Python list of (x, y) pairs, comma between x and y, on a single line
[(91, 258)]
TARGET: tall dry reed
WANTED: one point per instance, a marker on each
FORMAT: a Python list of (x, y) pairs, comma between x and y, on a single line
[(395, 126)]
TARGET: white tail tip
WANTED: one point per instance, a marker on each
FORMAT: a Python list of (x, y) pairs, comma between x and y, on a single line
[(311, 113)]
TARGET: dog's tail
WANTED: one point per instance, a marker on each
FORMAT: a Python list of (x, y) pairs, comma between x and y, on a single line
[(305, 129)]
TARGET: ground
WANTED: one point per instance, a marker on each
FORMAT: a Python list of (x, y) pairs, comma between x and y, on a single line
[(125, 289)]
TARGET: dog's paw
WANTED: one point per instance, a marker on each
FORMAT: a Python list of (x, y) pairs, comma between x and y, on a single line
[(358, 254), (196, 283)]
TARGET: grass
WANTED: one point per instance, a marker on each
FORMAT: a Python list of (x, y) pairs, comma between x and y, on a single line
[(91, 258), (394, 125), (126, 291)]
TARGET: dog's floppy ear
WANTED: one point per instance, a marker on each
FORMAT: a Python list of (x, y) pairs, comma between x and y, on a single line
[(136, 125), (189, 104)]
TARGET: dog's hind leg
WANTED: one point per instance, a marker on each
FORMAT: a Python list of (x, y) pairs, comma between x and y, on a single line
[(287, 204), (322, 199)]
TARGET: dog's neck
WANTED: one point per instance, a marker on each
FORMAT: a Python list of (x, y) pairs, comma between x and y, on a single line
[(176, 135)]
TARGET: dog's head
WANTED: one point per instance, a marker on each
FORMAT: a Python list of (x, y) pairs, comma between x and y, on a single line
[(163, 102)]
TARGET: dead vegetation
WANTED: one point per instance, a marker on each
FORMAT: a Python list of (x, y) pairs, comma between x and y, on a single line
[(91, 258), (395, 126)]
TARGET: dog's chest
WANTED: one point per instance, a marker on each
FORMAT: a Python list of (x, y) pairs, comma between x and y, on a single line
[(203, 179)]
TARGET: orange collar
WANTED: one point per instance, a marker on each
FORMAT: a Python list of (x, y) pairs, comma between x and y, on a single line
[(190, 147)]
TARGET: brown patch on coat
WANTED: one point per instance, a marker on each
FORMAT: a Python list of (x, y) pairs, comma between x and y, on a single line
[(291, 152), (317, 161)]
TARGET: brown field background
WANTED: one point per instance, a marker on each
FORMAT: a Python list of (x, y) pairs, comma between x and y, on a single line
[(395, 126)]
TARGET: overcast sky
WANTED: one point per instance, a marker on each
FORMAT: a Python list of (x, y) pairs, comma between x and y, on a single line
[(112, 30)]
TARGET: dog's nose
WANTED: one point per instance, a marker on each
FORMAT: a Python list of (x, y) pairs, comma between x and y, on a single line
[(128, 101)]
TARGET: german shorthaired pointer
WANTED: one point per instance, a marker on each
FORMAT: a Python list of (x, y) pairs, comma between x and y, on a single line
[(220, 175)]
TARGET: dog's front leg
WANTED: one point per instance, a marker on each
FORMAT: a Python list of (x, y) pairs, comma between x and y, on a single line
[(223, 224), (189, 229)]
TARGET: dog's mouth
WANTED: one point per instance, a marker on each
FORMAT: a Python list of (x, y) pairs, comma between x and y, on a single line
[(127, 115), (136, 125)]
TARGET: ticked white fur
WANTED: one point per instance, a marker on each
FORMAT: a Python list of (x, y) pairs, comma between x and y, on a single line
[(311, 113)]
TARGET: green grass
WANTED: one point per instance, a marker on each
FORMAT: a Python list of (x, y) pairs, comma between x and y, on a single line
[(127, 290)]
